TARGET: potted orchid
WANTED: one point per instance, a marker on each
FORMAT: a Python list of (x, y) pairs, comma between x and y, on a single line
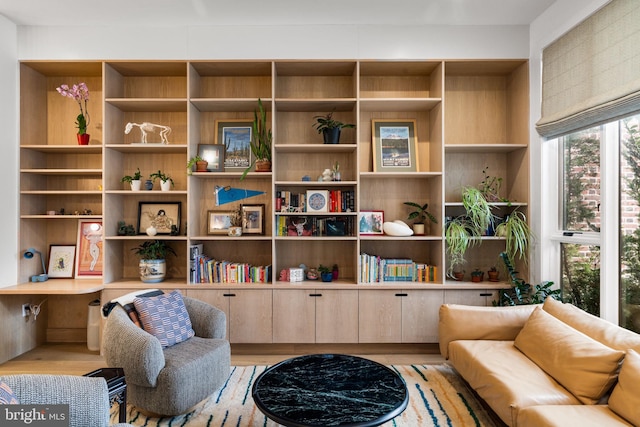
[(80, 93)]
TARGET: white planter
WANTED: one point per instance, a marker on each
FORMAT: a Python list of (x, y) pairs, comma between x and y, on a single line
[(152, 270), (136, 184), (165, 185)]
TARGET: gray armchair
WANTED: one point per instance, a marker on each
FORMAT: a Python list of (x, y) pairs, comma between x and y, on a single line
[(88, 398), (169, 381)]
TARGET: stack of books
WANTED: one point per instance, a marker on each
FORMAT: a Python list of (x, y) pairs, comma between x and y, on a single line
[(374, 269)]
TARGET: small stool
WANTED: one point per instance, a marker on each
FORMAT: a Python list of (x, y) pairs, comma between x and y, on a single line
[(117, 388)]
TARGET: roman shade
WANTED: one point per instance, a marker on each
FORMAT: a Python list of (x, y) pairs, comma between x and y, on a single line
[(591, 74)]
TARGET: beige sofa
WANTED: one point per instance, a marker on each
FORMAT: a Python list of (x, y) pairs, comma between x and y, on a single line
[(545, 365)]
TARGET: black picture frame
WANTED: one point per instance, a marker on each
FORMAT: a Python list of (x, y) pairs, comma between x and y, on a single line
[(235, 136), (164, 216)]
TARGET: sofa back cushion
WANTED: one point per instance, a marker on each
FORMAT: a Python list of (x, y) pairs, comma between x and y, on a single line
[(584, 366), (625, 398), (599, 329), (465, 322)]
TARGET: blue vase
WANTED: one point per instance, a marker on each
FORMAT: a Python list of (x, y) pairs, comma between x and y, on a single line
[(148, 185), (327, 277)]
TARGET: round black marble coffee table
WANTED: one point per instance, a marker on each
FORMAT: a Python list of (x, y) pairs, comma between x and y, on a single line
[(330, 390)]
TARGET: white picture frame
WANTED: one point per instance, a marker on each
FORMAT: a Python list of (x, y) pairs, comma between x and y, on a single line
[(317, 200)]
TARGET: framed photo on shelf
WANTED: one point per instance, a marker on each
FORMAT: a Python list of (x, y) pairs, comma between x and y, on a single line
[(214, 155), (163, 216), (395, 145), (235, 136), (252, 219), (89, 257), (61, 261), (370, 223), (317, 200), (219, 222)]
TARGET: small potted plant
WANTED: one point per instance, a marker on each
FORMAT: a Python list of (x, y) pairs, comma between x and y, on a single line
[(135, 180), (197, 161), (153, 265), (420, 216), (477, 275), (165, 180), (330, 128), (325, 273), (493, 274), (260, 144)]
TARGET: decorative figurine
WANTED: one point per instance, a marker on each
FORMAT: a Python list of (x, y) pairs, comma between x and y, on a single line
[(149, 127)]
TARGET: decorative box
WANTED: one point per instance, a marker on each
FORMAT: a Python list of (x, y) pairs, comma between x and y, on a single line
[(296, 275)]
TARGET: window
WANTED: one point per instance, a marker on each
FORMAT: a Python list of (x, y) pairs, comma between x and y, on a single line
[(599, 207)]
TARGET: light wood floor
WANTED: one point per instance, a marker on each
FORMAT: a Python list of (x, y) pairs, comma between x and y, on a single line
[(75, 359)]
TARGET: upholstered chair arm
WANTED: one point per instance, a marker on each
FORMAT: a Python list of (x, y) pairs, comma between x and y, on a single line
[(87, 397), (136, 351), (207, 320)]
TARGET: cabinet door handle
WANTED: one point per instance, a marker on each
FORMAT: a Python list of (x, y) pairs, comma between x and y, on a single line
[(315, 295), (485, 295), (402, 295), (229, 295)]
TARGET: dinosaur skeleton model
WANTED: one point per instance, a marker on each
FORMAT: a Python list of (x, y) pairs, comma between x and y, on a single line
[(149, 127)]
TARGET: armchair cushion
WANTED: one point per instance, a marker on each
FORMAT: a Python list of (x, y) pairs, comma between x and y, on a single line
[(7, 396), (165, 317)]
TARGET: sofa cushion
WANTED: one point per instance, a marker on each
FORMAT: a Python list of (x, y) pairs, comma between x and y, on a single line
[(7, 396), (463, 322), (625, 398), (570, 415), (504, 378), (599, 329), (165, 317), (586, 367)]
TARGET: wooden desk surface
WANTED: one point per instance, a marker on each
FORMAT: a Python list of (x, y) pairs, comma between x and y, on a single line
[(55, 287)]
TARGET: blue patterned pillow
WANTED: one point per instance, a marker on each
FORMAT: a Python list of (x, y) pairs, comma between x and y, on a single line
[(165, 317), (7, 397)]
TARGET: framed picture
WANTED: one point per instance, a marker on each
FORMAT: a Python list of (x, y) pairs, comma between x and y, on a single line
[(218, 222), (317, 200), (163, 216), (370, 222), (394, 146), (235, 136), (252, 219), (61, 261), (89, 262), (214, 155)]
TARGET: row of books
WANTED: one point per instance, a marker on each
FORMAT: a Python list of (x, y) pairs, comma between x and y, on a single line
[(339, 201), (375, 269), (209, 270), (315, 226)]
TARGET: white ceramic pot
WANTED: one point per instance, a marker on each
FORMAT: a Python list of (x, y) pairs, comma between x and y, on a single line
[(152, 270), (165, 185), (151, 231), (136, 184)]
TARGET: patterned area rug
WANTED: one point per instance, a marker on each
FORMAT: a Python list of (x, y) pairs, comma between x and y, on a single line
[(438, 397)]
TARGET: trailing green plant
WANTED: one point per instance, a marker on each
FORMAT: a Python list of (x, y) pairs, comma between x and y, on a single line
[(521, 292), (261, 138), (478, 210), (421, 213), (153, 249), (327, 121), (161, 176), (192, 161), (458, 239), (518, 235), (135, 177)]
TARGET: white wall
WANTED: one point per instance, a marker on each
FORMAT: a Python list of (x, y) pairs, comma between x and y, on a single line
[(9, 148), (274, 42)]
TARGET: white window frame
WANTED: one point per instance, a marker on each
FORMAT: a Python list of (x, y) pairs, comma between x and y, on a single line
[(607, 239)]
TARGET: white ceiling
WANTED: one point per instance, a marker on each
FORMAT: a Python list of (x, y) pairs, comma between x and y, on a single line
[(272, 12)]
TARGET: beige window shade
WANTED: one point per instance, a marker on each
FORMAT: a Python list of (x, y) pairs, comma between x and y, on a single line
[(592, 74)]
